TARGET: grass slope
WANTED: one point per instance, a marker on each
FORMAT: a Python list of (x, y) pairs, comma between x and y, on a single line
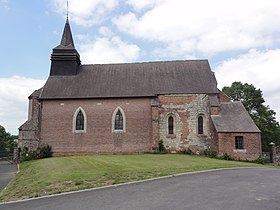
[(63, 174)]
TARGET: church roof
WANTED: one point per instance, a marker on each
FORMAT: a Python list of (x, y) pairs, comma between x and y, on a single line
[(133, 80), (234, 118)]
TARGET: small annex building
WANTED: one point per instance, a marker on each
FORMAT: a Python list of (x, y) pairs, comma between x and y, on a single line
[(130, 107)]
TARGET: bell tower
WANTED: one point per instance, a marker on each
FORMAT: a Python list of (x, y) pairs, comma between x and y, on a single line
[(65, 59)]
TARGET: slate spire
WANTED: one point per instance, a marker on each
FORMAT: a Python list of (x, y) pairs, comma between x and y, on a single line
[(65, 59), (67, 39)]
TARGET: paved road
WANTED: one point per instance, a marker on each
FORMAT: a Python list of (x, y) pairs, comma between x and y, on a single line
[(7, 172), (234, 189)]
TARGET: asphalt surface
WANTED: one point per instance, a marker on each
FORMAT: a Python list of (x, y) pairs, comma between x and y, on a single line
[(234, 189), (7, 172)]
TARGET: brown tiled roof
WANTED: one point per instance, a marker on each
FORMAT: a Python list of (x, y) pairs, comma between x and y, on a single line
[(133, 80), (35, 94), (234, 118)]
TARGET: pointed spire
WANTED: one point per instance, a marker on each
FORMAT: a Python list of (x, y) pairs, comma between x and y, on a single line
[(65, 58), (67, 39)]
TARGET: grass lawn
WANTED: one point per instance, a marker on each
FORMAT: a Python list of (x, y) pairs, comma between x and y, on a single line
[(63, 174)]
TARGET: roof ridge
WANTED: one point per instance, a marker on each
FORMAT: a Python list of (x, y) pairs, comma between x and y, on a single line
[(147, 62)]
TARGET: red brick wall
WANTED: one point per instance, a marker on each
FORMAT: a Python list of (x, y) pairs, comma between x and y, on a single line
[(251, 145), (215, 110), (57, 126), (155, 127), (223, 97), (214, 146), (176, 99)]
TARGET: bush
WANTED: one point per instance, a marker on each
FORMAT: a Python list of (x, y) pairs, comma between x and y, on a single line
[(226, 157), (41, 152), (161, 146), (187, 152), (45, 151), (262, 160), (210, 153)]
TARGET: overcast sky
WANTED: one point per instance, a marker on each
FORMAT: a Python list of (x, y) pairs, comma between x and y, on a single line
[(241, 40)]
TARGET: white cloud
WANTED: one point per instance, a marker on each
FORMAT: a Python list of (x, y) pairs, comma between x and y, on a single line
[(5, 4), (206, 27), (260, 68), (86, 12), (143, 4), (14, 92), (108, 50), (105, 31)]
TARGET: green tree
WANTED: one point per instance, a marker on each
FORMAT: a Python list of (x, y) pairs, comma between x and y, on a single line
[(6, 141), (263, 116)]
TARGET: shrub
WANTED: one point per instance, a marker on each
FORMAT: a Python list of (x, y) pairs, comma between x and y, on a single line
[(262, 160), (161, 146), (226, 157), (187, 152), (210, 153), (44, 151)]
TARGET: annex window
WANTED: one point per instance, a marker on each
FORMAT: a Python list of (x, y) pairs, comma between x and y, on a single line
[(170, 125), (239, 142), (79, 121), (118, 120), (200, 125)]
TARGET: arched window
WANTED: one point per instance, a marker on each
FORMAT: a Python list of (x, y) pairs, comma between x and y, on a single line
[(200, 125), (170, 125), (118, 121), (80, 121)]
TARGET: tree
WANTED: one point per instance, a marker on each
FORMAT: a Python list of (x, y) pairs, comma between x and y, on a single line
[(6, 141), (263, 116)]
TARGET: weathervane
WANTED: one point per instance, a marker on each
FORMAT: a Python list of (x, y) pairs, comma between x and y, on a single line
[(67, 9)]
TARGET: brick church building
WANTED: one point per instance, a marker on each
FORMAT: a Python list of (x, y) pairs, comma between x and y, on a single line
[(130, 107)]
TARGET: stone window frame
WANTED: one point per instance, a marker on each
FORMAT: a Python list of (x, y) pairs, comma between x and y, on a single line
[(199, 116), (168, 135), (113, 120), (74, 120)]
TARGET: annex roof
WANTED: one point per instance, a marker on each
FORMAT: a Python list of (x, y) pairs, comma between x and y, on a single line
[(133, 80), (233, 117)]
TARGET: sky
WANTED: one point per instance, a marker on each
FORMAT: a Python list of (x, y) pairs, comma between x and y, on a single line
[(240, 39)]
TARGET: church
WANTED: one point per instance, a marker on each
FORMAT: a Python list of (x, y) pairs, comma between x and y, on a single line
[(131, 107)]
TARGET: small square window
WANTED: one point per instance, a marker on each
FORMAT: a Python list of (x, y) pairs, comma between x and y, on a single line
[(239, 142)]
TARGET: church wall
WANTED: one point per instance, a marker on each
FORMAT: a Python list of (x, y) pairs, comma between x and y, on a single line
[(252, 145), (29, 132), (57, 126), (185, 108)]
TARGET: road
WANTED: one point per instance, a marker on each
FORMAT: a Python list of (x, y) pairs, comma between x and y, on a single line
[(232, 189), (7, 172)]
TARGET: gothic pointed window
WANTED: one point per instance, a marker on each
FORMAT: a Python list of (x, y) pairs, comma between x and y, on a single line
[(79, 121), (80, 124), (200, 125), (119, 121), (170, 125)]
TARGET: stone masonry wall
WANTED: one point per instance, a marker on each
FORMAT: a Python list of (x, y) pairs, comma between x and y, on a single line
[(185, 108), (29, 132), (57, 126)]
